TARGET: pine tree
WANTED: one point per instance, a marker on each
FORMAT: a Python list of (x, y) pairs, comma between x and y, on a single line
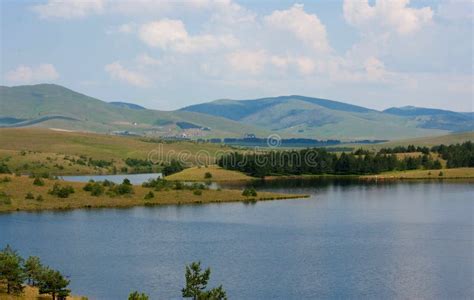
[(11, 271)]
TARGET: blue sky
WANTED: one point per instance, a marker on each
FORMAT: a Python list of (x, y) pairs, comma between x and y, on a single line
[(169, 54)]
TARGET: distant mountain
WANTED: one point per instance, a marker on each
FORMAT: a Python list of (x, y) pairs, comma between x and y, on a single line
[(435, 118), (54, 106), (127, 105), (322, 118)]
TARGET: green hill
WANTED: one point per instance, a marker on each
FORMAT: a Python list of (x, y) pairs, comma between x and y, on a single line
[(53, 106), (319, 118)]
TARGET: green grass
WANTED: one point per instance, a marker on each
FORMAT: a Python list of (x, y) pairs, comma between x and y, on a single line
[(448, 139), (456, 173), (39, 144), (32, 293)]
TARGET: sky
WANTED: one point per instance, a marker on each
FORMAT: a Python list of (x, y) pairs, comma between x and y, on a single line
[(169, 54)]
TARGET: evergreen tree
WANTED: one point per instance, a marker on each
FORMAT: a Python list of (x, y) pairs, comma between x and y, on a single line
[(137, 296), (33, 269), (11, 271), (196, 282), (53, 282)]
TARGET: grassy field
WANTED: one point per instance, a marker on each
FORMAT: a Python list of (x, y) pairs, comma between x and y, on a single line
[(32, 146), (17, 189), (217, 173), (31, 293), (456, 173), (453, 138)]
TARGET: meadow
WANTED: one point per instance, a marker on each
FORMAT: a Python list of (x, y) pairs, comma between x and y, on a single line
[(20, 193)]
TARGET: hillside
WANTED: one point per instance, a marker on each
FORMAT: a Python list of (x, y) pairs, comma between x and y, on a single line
[(435, 118), (322, 118), (453, 138), (53, 106)]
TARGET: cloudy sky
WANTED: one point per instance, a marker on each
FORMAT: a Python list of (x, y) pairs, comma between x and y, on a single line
[(168, 54)]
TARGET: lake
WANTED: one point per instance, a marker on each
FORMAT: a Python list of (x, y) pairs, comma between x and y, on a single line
[(134, 178), (348, 240)]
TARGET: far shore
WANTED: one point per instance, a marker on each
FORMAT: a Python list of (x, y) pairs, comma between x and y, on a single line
[(222, 175)]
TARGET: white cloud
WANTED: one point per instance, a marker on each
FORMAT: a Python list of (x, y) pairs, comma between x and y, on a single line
[(172, 35), (252, 62), (392, 15), (117, 71), (375, 69), (30, 74), (146, 60), (69, 9), (306, 27)]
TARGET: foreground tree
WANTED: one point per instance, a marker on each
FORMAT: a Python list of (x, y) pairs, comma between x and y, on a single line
[(137, 296), (196, 282), (11, 271), (33, 269), (53, 282)]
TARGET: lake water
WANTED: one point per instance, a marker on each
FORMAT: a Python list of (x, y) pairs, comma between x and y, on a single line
[(134, 178), (348, 240)]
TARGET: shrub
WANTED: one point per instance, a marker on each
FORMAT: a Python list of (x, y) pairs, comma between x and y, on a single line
[(4, 168), (39, 198), (38, 181), (441, 173), (197, 192), (122, 189), (249, 192), (61, 192), (207, 175), (150, 195), (96, 188), (173, 167), (29, 196)]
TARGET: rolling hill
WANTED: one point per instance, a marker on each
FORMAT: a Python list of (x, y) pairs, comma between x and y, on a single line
[(322, 118), (54, 106)]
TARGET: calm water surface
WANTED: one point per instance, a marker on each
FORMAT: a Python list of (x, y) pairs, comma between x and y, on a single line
[(400, 240), (134, 178)]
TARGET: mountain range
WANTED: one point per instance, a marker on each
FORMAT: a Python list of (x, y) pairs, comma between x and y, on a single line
[(54, 106)]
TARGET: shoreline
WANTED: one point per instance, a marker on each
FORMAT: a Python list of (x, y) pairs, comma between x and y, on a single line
[(15, 191)]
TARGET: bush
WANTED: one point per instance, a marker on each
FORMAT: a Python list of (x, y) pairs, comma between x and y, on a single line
[(173, 167), (39, 198), (61, 192), (4, 168), (249, 192), (207, 175), (29, 196), (122, 189), (96, 188), (38, 181), (197, 192), (150, 195), (441, 173)]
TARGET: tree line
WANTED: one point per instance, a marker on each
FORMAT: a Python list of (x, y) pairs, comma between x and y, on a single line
[(16, 271), (359, 162)]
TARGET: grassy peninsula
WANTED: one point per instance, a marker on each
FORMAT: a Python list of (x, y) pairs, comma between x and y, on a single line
[(20, 193)]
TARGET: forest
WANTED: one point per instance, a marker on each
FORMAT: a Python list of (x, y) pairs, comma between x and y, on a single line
[(359, 162)]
